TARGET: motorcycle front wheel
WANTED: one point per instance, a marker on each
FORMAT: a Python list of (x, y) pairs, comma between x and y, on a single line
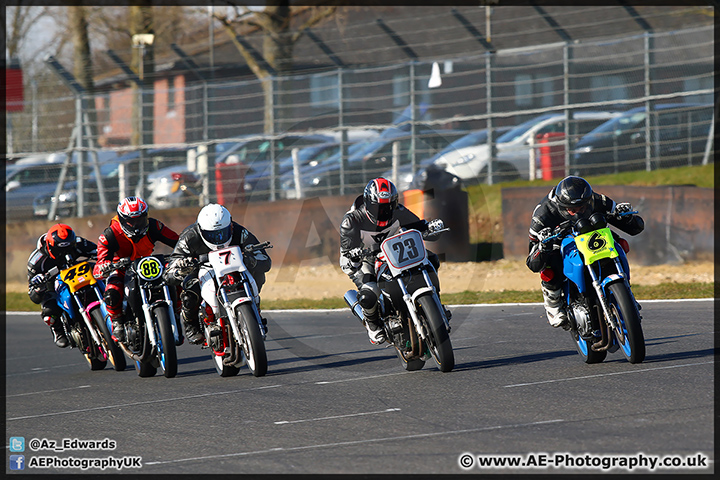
[(166, 342), (215, 344), (630, 335), (584, 348), (114, 354), (409, 364), (439, 341), (253, 346)]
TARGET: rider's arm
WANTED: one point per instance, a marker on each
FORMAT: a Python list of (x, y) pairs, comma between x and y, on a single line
[(106, 247), (630, 224), (263, 261), (159, 232)]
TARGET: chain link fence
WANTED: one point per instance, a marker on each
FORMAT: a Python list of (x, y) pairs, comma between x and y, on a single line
[(328, 132)]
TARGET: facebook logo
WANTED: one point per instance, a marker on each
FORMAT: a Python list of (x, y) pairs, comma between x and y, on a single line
[(17, 444), (17, 462)]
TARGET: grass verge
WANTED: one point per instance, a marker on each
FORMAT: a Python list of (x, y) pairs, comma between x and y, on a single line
[(19, 302)]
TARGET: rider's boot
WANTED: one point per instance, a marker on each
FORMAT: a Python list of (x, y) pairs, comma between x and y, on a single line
[(374, 327), (192, 329), (368, 301), (118, 327), (555, 308), (58, 333)]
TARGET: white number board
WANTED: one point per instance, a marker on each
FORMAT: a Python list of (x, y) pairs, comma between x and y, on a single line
[(226, 261), (404, 250)]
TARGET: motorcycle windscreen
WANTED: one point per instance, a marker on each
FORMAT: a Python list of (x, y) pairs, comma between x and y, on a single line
[(404, 250), (596, 245)]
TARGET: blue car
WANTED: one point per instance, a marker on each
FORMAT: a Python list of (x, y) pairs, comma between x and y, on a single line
[(679, 134), (367, 160)]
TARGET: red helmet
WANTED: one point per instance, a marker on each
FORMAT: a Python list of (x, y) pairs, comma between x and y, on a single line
[(60, 240), (380, 198), (133, 216)]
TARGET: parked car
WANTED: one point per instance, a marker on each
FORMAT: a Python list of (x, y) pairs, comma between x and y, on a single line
[(39, 173), (112, 172), (24, 180), (513, 147), (257, 180), (405, 174), (679, 134), (367, 160)]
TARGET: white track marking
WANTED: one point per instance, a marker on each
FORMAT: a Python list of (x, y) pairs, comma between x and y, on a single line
[(283, 422), (46, 391), (359, 378), (605, 374), (106, 407), (355, 442)]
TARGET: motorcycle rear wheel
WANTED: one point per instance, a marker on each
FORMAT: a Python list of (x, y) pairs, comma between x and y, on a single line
[(253, 345), (630, 337), (439, 341), (166, 343), (115, 355)]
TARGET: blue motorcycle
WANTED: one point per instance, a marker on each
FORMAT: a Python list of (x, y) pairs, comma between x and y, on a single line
[(603, 313), (79, 295)]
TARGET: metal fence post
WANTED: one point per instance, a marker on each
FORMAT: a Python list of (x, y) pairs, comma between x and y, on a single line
[(492, 149)]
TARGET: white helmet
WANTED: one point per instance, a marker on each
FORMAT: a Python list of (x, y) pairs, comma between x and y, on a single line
[(215, 224)]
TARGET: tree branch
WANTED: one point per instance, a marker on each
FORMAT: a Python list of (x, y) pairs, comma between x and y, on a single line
[(317, 16)]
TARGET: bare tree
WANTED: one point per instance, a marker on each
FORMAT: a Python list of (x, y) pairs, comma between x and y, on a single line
[(280, 35), (82, 64)]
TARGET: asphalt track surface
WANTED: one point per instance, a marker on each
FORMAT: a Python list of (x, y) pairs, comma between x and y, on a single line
[(333, 403)]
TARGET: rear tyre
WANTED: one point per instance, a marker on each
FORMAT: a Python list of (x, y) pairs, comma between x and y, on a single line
[(115, 355), (439, 341), (166, 343), (630, 335), (253, 344)]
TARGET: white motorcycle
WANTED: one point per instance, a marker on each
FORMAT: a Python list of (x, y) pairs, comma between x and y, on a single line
[(229, 311)]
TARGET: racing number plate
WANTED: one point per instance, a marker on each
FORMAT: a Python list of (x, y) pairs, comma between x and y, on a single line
[(404, 250), (78, 276), (596, 245), (149, 268)]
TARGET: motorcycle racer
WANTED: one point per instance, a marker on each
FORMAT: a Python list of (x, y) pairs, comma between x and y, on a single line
[(51, 251), (213, 230), (571, 199), (374, 216)]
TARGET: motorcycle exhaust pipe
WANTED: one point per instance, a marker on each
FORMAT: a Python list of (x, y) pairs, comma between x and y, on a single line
[(352, 302)]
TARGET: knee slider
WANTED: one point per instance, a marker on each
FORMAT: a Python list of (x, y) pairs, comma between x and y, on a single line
[(189, 297), (367, 296), (112, 297)]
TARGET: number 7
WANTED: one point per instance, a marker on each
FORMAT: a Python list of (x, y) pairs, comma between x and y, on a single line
[(226, 256)]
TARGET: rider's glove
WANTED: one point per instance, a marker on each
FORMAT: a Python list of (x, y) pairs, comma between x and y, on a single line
[(622, 208), (185, 266), (249, 260), (105, 269), (38, 280), (435, 225), (355, 255), (542, 236)]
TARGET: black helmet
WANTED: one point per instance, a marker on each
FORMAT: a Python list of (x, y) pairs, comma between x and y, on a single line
[(574, 197), (380, 198), (60, 240)]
